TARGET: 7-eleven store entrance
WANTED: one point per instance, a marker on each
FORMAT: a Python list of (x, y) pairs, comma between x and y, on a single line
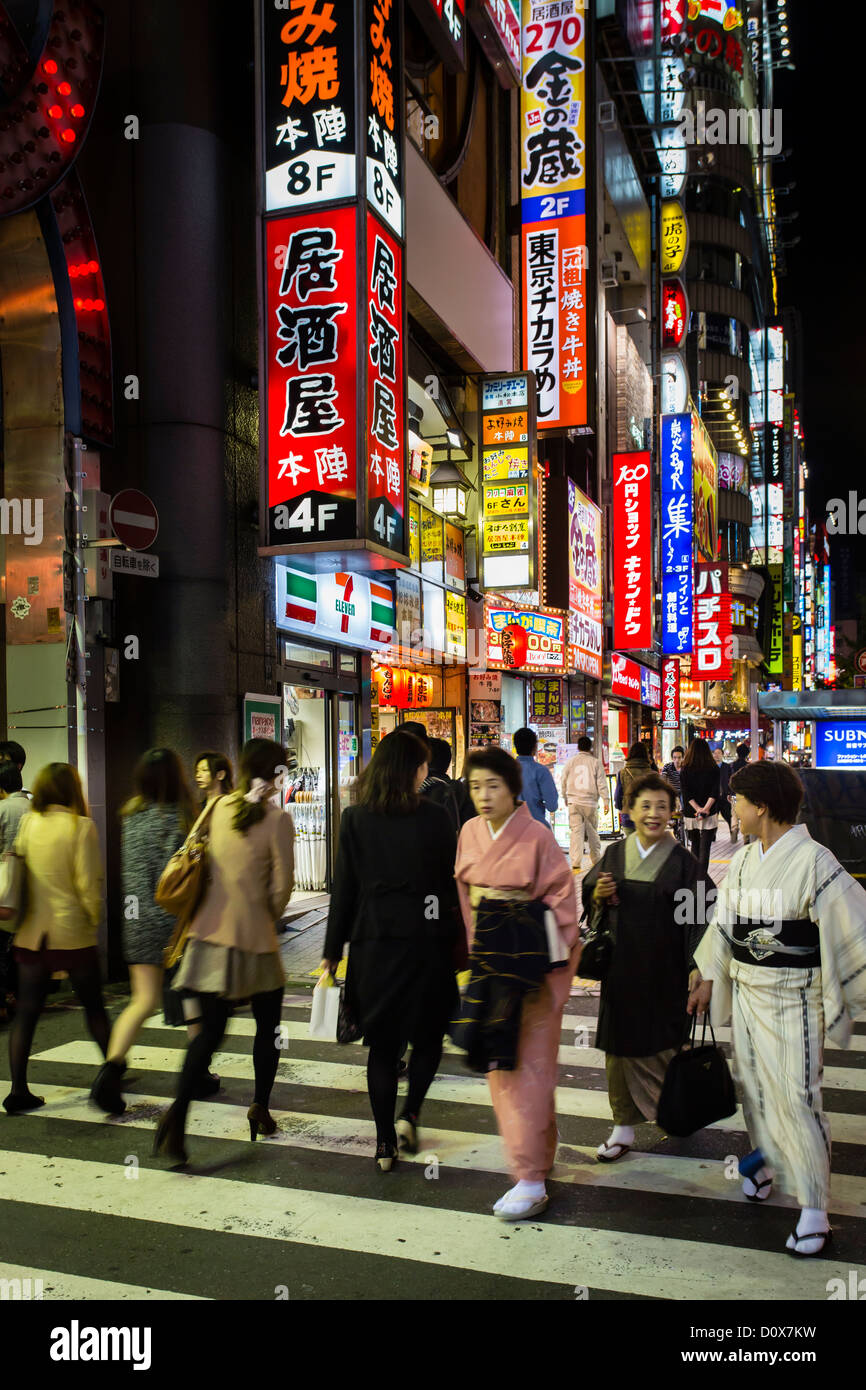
[(327, 624)]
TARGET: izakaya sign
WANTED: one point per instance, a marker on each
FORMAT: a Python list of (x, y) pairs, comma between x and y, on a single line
[(670, 693), (674, 237), (346, 608), (553, 189), (711, 658), (403, 689), (334, 350), (675, 313), (677, 526), (584, 582), (632, 551)]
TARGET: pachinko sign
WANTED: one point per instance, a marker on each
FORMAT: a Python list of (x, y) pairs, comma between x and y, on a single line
[(521, 640), (711, 657), (553, 192), (632, 551), (677, 522)]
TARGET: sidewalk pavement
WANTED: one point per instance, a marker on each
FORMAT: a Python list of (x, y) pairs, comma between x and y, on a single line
[(302, 946)]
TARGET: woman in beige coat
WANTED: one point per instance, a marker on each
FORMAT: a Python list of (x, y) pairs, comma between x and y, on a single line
[(60, 846), (232, 953)]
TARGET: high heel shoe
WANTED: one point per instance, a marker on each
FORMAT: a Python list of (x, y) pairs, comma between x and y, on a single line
[(386, 1157), (407, 1134), (169, 1137), (261, 1121)]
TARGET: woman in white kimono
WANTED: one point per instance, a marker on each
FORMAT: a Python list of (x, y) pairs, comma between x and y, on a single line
[(785, 956)]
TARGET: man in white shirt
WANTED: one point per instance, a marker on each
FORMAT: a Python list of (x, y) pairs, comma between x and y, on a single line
[(583, 783)]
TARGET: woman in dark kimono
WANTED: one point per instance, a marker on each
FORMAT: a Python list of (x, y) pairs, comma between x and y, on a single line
[(656, 895), (394, 899)]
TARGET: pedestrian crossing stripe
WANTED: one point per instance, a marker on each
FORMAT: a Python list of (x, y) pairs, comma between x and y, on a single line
[(346, 1076), (543, 1253), (453, 1149), (24, 1285)]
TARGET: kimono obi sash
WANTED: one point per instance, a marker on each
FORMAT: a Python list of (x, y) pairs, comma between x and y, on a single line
[(795, 945)]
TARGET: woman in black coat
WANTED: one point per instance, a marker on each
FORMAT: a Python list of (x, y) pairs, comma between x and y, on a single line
[(701, 791), (395, 901)]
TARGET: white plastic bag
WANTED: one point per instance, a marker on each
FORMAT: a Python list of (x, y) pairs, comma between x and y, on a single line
[(326, 1008)]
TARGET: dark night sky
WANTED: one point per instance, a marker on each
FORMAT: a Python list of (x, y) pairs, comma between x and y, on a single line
[(822, 124)]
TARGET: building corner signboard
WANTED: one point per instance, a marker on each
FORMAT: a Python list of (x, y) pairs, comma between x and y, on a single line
[(674, 236), (584, 583), (677, 526), (508, 502), (332, 404), (553, 193), (632, 551), (713, 640)]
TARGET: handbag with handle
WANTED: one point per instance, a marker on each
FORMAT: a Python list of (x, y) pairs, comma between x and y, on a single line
[(13, 890), (600, 939), (698, 1087), (182, 883)]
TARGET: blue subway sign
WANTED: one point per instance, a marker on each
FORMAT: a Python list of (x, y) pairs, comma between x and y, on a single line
[(840, 744)]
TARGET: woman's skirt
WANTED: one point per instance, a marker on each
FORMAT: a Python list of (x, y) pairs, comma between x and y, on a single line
[(227, 971), (84, 957), (705, 822)]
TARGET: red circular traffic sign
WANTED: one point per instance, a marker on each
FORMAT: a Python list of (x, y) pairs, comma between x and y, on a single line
[(133, 519), (860, 659)]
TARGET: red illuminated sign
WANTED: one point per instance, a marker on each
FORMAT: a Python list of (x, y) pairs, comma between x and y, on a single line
[(675, 313), (402, 689), (632, 551), (624, 677), (670, 692), (385, 388), (311, 293), (711, 655)]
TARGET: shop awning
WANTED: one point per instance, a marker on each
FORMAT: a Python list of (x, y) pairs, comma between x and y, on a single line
[(798, 705)]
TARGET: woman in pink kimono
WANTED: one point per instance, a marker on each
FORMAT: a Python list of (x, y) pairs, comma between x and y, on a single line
[(509, 871)]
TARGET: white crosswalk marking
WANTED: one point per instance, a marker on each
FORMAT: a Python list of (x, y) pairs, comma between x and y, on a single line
[(72, 1287)]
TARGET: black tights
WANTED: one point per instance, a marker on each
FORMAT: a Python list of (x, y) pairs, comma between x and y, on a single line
[(214, 1013), (382, 1063), (701, 842), (34, 979)]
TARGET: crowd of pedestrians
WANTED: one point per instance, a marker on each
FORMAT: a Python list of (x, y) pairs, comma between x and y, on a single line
[(439, 878)]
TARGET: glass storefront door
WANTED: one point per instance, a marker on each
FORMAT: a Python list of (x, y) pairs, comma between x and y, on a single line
[(321, 733)]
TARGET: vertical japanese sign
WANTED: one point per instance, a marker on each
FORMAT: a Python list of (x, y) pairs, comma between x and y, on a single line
[(508, 494), (310, 297), (671, 693), (584, 581), (705, 466), (384, 108), (386, 434), (775, 661), (553, 190), (632, 551), (711, 658), (788, 473), (677, 525), (334, 342), (308, 103)]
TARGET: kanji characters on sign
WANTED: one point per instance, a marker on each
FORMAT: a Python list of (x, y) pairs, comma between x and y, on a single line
[(632, 551)]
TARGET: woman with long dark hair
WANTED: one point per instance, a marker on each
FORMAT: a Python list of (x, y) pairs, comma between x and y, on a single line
[(154, 823), (232, 953), (701, 790), (395, 902), (60, 847), (636, 766)]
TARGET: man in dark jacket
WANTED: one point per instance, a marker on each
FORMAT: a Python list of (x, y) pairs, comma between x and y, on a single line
[(450, 794), (743, 754), (539, 788)]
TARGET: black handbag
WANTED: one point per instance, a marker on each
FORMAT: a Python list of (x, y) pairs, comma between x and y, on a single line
[(348, 1028), (598, 944), (698, 1087)]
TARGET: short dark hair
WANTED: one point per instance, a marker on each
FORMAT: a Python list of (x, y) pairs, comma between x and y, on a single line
[(387, 784), (440, 756), (10, 778), (500, 763), (13, 751), (216, 763), (525, 743), (417, 730), (678, 748), (651, 783), (771, 784), (743, 751), (584, 744)]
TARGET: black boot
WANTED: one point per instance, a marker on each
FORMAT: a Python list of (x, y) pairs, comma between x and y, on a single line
[(105, 1091)]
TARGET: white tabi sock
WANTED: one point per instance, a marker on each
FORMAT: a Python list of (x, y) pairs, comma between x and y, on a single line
[(622, 1134), (813, 1222), (522, 1192), (750, 1185)]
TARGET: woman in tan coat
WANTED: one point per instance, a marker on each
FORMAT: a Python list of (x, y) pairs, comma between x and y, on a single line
[(60, 846), (232, 952)]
